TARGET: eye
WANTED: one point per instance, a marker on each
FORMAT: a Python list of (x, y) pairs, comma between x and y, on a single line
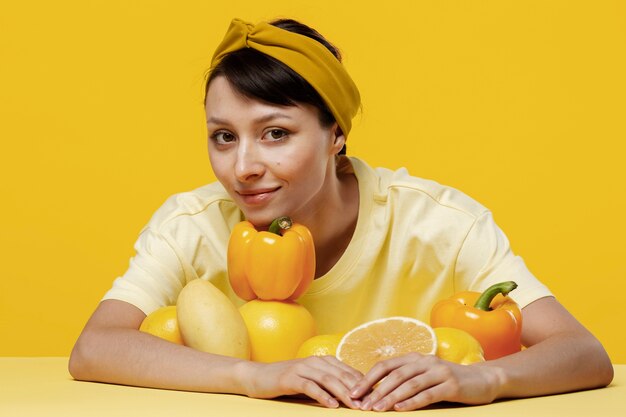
[(276, 134), (222, 138)]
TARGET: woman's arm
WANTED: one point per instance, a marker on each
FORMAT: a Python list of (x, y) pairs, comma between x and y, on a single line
[(112, 349), (562, 356)]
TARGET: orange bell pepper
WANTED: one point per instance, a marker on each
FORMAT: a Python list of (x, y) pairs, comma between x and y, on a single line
[(268, 265), (494, 319)]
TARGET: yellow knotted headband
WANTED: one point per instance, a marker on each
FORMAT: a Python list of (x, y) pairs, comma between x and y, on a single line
[(306, 56)]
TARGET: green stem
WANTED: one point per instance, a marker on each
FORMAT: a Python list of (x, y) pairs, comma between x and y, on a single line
[(279, 224), (486, 297)]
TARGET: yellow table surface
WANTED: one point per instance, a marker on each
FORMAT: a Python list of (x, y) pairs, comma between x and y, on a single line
[(43, 387)]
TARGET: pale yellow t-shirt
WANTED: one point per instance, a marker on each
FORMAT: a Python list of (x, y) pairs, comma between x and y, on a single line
[(415, 242)]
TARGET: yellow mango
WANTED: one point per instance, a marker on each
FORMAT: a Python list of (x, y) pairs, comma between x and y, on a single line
[(210, 322)]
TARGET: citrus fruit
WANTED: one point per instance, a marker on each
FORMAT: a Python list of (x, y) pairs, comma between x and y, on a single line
[(276, 328), (210, 322), (320, 345), (377, 340), (163, 323), (458, 346)]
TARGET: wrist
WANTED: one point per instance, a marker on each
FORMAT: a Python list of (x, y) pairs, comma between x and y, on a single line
[(497, 379), (244, 373)]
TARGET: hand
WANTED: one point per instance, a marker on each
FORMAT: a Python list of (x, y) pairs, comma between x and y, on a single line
[(414, 381), (322, 378)]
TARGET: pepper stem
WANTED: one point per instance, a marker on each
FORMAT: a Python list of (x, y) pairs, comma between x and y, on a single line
[(486, 297), (279, 224)]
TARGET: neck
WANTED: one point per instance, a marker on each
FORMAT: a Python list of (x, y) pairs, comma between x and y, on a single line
[(332, 224)]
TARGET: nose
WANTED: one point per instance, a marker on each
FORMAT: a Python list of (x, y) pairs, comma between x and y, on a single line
[(249, 165)]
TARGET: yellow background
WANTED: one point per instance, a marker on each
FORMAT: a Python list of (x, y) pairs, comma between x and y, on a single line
[(521, 104)]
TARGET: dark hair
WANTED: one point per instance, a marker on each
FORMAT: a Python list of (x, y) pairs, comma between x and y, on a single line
[(261, 77)]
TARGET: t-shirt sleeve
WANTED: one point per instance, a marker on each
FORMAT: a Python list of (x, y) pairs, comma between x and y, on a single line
[(155, 275), (486, 258)]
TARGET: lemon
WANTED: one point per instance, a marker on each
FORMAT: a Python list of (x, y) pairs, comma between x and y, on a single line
[(320, 345), (458, 346), (163, 323), (276, 328)]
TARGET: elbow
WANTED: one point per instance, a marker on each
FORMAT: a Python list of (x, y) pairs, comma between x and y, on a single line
[(78, 365), (75, 364), (604, 368), (609, 375), (604, 375), (606, 372)]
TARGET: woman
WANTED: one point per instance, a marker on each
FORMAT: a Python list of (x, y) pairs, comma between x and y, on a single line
[(279, 106)]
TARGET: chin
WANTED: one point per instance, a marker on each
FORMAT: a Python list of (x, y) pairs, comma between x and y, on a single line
[(259, 220), (263, 219)]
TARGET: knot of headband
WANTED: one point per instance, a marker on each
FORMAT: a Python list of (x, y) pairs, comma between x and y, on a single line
[(306, 56)]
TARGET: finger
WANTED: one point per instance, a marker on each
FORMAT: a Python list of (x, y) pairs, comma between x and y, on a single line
[(407, 389), (313, 390), (398, 385), (429, 384), (355, 374), (422, 399), (336, 387), (333, 360), (380, 371), (412, 374), (331, 378), (329, 364), (365, 384)]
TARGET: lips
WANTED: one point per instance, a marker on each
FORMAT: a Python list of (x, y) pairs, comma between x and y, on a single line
[(258, 195)]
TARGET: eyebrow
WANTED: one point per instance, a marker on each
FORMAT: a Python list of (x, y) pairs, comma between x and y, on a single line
[(263, 119)]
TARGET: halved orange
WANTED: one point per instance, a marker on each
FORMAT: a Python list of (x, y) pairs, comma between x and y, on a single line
[(377, 340)]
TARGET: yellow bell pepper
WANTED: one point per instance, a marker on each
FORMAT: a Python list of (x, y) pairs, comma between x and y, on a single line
[(492, 318), (268, 265)]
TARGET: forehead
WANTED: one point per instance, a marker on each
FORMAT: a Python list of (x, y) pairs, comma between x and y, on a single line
[(220, 93), (223, 101)]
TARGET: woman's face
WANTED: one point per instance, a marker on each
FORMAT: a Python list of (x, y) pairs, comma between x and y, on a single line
[(273, 160)]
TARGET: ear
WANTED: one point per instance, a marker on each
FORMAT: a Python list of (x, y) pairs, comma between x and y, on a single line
[(339, 139)]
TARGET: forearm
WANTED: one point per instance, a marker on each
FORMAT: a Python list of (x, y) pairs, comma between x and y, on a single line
[(139, 359), (561, 363), (130, 357)]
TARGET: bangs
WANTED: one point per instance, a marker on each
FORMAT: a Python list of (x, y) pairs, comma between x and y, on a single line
[(261, 77)]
